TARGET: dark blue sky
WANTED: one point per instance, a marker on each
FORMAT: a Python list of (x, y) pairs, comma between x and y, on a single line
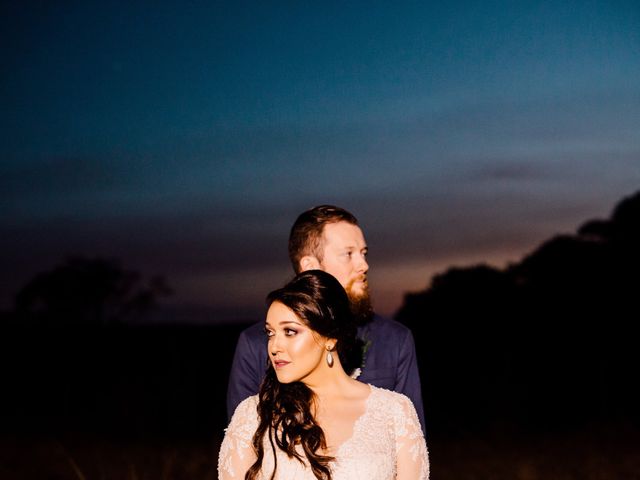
[(185, 137)]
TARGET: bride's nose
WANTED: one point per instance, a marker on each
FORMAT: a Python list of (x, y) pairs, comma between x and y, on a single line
[(274, 345)]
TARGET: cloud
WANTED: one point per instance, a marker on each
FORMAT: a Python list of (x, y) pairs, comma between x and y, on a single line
[(515, 171)]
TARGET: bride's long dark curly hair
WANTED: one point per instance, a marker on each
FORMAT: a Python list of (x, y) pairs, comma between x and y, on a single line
[(284, 410)]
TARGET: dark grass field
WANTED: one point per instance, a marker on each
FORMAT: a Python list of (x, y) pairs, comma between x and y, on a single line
[(595, 453), (144, 403)]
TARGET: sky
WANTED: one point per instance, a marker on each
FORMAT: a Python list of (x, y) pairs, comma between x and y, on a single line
[(184, 138)]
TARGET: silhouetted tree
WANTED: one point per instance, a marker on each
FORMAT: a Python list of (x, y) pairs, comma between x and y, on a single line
[(545, 339), (87, 292)]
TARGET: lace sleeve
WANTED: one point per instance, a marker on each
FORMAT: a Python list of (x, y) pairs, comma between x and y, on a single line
[(236, 452), (411, 448)]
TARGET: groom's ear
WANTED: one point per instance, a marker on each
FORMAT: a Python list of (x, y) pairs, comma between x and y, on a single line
[(309, 262)]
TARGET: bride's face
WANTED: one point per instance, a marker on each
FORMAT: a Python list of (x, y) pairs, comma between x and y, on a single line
[(296, 352)]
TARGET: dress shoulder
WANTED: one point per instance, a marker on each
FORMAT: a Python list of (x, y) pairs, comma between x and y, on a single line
[(244, 421), (398, 405), (389, 396), (410, 446), (236, 451), (248, 405), (387, 441)]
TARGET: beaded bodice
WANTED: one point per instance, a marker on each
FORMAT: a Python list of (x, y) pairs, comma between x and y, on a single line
[(387, 443)]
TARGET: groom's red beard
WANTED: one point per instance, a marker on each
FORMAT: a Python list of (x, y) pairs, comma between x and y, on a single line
[(360, 303)]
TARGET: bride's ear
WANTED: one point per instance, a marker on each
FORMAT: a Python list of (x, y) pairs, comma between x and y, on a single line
[(330, 345), (309, 262)]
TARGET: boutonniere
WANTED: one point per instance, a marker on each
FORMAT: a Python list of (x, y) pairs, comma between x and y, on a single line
[(358, 371), (365, 348)]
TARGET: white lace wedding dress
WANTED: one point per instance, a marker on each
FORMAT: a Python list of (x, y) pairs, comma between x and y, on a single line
[(387, 443)]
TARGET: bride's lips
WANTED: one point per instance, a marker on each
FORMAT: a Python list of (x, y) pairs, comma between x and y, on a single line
[(280, 363)]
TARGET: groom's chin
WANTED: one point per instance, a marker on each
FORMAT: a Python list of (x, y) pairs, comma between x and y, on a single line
[(361, 307)]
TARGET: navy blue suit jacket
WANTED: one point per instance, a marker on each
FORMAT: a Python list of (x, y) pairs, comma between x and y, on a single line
[(390, 362)]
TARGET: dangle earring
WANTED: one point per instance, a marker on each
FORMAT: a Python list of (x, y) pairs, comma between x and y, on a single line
[(329, 357)]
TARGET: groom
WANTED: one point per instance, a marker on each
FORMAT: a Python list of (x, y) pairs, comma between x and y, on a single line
[(329, 238)]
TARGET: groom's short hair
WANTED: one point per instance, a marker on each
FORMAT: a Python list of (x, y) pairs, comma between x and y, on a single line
[(306, 233)]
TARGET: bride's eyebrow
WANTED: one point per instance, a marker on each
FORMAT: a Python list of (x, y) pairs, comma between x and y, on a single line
[(284, 322), (289, 322)]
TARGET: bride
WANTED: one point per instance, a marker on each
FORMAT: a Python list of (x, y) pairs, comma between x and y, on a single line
[(310, 419)]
